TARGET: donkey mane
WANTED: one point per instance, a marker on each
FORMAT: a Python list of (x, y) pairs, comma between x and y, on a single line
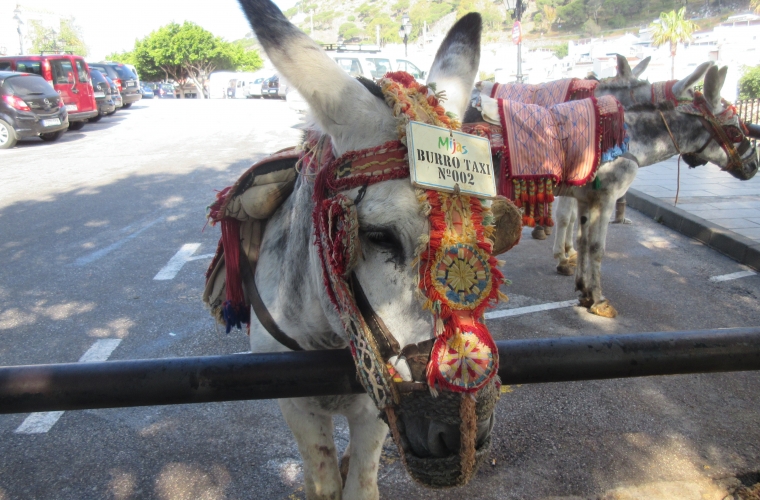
[(373, 87), (648, 106)]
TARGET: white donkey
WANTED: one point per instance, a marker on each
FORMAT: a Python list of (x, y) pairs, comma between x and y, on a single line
[(289, 272), (706, 128)]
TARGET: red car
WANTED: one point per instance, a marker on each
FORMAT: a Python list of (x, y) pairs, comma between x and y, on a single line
[(69, 75)]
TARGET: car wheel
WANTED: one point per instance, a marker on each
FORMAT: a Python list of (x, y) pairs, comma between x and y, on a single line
[(7, 135), (76, 125), (95, 119), (52, 136), (127, 105)]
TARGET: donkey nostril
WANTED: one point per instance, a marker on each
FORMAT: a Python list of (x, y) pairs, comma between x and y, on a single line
[(443, 439)]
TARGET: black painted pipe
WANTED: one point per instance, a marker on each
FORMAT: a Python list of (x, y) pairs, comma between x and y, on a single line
[(754, 130), (111, 384)]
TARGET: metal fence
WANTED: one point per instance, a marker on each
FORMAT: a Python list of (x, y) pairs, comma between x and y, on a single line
[(111, 384), (749, 110)]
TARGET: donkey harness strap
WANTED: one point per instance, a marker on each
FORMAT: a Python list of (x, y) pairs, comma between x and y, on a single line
[(248, 272)]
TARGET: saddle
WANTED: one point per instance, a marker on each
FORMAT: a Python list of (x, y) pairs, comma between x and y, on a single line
[(243, 210)]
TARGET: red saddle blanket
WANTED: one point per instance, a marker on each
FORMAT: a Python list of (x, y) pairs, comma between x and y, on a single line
[(542, 147), (545, 94)]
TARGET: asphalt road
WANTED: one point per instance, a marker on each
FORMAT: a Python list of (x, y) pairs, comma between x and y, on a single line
[(88, 222)]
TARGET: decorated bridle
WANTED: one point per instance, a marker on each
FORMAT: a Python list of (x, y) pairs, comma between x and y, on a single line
[(725, 128), (458, 276)]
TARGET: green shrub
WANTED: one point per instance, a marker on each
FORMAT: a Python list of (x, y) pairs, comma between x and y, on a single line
[(749, 83)]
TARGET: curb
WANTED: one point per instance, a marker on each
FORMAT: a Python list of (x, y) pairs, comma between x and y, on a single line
[(737, 247)]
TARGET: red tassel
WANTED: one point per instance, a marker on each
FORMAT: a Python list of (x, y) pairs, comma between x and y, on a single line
[(235, 310)]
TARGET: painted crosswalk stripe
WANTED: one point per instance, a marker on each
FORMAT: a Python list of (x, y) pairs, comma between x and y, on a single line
[(732, 276), (503, 313), (40, 423), (185, 254), (98, 254)]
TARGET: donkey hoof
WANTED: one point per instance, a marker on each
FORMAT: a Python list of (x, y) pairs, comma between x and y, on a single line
[(539, 233), (548, 230), (566, 270), (585, 302), (573, 259), (622, 221), (603, 309)]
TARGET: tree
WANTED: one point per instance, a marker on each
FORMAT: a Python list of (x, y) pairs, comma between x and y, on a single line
[(754, 5), (66, 38), (673, 27), (749, 83)]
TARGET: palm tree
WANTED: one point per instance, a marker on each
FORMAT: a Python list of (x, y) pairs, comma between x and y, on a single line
[(672, 27)]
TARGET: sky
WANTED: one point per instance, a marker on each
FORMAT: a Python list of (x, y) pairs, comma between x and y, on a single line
[(116, 27)]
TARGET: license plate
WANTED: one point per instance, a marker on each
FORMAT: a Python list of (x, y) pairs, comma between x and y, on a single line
[(51, 122), (131, 84), (71, 107), (100, 94), (272, 91)]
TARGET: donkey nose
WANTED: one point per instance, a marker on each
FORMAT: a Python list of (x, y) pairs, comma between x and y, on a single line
[(431, 438)]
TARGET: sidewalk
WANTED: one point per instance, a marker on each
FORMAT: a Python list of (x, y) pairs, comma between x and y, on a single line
[(713, 207)]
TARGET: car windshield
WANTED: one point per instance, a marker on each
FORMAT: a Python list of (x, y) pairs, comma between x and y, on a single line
[(29, 67), (97, 76), (379, 67), (123, 72), (100, 68), (28, 85), (167, 86), (350, 65)]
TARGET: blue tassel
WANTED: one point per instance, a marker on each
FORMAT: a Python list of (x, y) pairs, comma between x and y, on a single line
[(231, 316)]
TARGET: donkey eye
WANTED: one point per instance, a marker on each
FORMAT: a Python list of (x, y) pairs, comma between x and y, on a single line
[(381, 238)]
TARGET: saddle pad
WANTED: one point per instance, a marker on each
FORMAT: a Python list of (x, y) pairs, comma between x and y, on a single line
[(243, 210), (545, 94)]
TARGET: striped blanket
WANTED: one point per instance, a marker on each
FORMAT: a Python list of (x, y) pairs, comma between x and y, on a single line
[(542, 147), (545, 94)]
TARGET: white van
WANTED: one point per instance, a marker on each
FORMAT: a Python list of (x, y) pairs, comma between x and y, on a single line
[(374, 66)]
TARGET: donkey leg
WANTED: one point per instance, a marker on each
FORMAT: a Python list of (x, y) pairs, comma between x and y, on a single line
[(582, 270), (600, 215), (367, 434), (572, 254), (620, 212), (564, 222), (314, 435)]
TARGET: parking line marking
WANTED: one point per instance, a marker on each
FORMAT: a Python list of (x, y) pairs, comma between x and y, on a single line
[(87, 259), (42, 422), (732, 276), (503, 313), (185, 254)]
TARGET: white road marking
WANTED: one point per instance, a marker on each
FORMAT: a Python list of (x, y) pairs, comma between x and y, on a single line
[(87, 259), (732, 276), (503, 313), (185, 254), (40, 423)]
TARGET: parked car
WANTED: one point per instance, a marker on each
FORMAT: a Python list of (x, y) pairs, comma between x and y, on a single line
[(271, 87), (29, 107), (68, 74), (122, 76), (147, 92), (254, 88), (162, 90), (102, 94), (296, 101), (115, 96)]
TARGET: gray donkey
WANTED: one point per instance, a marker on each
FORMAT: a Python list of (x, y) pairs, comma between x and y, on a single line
[(705, 127), (352, 116)]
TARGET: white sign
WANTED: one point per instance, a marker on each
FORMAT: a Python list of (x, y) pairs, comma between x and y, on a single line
[(443, 160)]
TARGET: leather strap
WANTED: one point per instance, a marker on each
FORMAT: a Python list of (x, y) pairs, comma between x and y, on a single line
[(386, 342), (248, 272)]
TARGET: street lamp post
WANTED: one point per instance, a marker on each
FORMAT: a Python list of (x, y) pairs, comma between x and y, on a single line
[(17, 18), (405, 30), (517, 7)]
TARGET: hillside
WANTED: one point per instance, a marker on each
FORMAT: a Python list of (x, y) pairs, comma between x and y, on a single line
[(331, 21)]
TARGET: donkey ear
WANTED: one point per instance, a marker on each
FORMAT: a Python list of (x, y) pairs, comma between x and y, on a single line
[(713, 83), (623, 68), (456, 63), (641, 67), (685, 85), (342, 106)]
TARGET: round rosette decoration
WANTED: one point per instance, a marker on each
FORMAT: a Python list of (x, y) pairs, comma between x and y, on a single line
[(460, 279)]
